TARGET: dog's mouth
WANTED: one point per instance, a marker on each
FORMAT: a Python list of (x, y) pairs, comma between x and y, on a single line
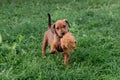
[(61, 35)]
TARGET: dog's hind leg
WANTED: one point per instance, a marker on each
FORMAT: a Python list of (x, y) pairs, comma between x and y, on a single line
[(44, 45)]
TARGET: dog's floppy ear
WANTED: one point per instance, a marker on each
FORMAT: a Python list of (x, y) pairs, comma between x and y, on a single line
[(67, 22), (53, 28)]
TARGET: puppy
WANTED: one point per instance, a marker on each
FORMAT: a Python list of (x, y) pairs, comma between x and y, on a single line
[(53, 35), (68, 43)]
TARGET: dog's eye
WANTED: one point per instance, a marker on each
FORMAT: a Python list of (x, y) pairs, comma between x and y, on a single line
[(57, 28), (75, 42), (64, 26)]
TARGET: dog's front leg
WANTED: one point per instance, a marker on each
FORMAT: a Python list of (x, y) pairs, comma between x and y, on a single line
[(53, 49), (66, 57)]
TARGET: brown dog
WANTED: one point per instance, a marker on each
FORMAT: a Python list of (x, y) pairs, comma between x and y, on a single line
[(53, 35), (68, 43)]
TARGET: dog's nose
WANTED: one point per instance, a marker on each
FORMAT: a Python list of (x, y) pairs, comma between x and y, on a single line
[(63, 33)]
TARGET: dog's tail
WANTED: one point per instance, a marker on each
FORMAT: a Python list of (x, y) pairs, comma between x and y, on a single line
[(49, 21)]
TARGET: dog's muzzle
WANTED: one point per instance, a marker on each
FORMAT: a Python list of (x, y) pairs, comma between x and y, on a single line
[(63, 33)]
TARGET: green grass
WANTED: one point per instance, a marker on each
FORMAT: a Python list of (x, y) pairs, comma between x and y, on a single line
[(94, 23)]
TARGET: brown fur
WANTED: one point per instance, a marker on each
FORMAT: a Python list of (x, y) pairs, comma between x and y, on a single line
[(53, 35), (68, 43)]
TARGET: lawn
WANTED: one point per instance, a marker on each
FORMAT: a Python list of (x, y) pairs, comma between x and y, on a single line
[(94, 23)]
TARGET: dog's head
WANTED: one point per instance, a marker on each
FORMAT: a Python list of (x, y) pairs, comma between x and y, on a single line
[(61, 27)]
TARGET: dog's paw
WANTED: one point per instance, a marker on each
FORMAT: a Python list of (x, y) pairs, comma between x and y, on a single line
[(43, 56), (52, 52)]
